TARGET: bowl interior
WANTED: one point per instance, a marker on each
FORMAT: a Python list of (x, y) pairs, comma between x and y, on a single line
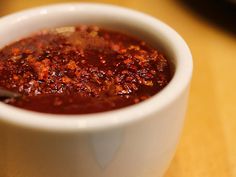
[(26, 23)]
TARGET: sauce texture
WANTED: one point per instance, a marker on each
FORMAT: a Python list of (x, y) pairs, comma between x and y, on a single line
[(80, 70)]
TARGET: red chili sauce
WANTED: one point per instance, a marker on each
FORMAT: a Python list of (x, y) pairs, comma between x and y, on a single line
[(80, 70)]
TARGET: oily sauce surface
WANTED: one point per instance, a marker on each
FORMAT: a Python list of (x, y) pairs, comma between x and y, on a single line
[(81, 69)]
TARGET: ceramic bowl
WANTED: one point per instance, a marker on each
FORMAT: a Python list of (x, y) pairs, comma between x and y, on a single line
[(136, 141)]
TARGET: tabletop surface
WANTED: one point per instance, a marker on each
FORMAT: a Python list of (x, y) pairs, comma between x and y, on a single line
[(207, 147)]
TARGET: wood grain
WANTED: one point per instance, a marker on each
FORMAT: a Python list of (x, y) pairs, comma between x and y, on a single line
[(207, 147)]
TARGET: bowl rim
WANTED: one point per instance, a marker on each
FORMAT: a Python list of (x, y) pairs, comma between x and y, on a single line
[(109, 119)]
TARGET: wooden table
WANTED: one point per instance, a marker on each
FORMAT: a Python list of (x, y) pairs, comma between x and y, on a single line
[(208, 144)]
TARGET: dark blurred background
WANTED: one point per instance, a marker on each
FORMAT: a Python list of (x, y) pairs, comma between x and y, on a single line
[(219, 12)]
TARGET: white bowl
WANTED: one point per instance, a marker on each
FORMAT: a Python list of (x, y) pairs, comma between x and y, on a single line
[(136, 141)]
